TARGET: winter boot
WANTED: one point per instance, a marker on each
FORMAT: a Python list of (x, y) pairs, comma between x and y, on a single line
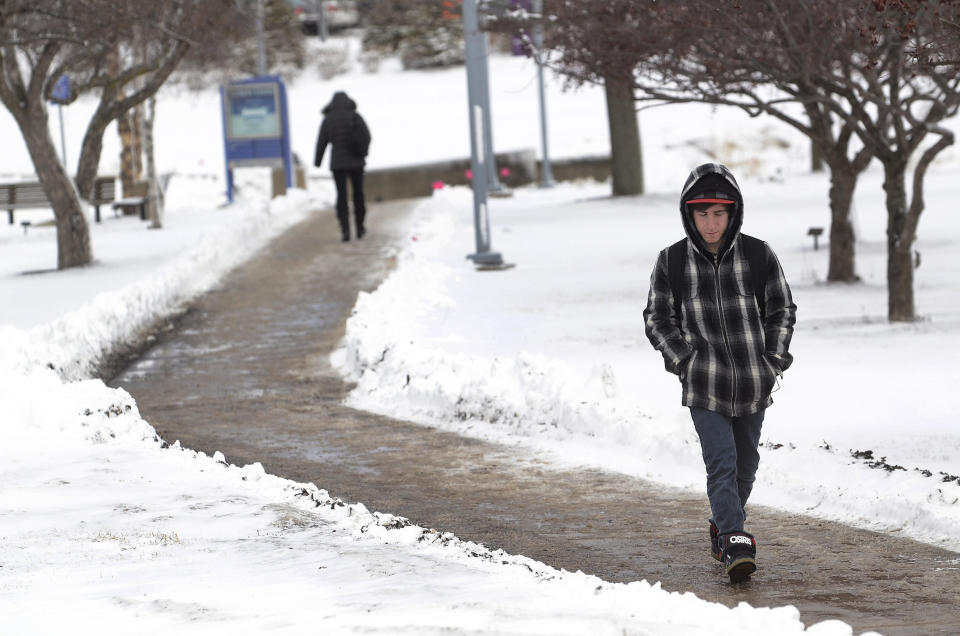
[(715, 541), (739, 555)]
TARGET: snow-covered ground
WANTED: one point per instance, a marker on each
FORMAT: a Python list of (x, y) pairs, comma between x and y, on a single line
[(103, 529)]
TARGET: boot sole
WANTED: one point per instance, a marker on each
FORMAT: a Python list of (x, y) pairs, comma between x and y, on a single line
[(741, 569)]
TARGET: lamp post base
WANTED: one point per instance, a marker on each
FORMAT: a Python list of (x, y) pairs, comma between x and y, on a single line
[(486, 258), (489, 261)]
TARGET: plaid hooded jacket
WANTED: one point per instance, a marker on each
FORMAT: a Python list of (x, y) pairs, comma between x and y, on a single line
[(726, 357)]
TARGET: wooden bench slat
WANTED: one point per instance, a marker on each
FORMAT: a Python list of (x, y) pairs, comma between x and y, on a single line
[(30, 194), (104, 191)]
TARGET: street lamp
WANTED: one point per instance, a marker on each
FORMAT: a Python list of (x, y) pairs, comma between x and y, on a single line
[(480, 152), (546, 174)]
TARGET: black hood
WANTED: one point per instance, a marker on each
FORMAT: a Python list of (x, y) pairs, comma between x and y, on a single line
[(711, 181), (340, 101)]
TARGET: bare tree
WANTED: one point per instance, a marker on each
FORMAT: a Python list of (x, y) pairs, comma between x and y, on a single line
[(232, 51), (764, 57), (705, 51), (600, 43), (228, 53), (423, 34), (856, 77), (42, 40), (897, 106)]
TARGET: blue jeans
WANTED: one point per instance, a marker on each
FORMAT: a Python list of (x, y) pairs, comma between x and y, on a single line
[(729, 446)]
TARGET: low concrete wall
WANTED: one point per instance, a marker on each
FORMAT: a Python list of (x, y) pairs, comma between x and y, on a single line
[(521, 168), (596, 168)]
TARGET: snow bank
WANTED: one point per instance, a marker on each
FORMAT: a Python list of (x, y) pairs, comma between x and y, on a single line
[(76, 342)]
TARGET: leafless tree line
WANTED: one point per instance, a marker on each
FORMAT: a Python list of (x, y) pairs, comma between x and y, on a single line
[(120, 51), (864, 80)]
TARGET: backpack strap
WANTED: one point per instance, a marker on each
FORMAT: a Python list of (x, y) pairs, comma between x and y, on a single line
[(756, 252), (676, 255)]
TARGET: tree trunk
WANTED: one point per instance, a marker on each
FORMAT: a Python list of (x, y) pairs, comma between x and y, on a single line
[(155, 194), (73, 233), (109, 109), (90, 150), (626, 161), (128, 129), (128, 149), (816, 158), (138, 123), (900, 306), (842, 268)]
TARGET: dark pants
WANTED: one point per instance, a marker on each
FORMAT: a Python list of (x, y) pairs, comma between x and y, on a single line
[(729, 447), (359, 207)]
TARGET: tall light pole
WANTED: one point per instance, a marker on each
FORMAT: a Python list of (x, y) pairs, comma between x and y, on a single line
[(493, 182), (323, 31), (479, 153), (546, 174), (261, 52)]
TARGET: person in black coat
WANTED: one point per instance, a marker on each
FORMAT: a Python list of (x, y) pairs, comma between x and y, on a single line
[(345, 130)]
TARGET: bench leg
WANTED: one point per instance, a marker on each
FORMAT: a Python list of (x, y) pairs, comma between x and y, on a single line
[(143, 211), (10, 214), (96, 213)]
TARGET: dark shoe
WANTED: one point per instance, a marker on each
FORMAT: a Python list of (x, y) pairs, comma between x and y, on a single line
[(360, 232), (739, 556), (715, 541), (345, 238)]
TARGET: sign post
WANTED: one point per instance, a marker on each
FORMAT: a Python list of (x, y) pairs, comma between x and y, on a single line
[(256, 128), (60, 94)]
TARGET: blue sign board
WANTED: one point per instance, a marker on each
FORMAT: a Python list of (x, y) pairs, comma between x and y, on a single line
[(61, 90), (256, 128)]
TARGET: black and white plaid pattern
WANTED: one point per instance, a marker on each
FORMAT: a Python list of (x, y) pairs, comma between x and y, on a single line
[(726, 359)]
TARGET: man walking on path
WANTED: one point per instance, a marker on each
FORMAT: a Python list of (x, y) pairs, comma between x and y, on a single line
[(344, 128), (721, 313)]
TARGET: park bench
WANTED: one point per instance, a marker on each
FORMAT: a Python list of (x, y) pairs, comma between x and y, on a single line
[(134, 199), (104, 191), (15, 196), (30, 194)]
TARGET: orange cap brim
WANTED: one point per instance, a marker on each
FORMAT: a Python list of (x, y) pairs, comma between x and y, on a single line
[(709, 201)]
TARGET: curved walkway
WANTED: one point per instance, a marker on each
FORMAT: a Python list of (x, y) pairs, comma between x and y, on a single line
[(245, 372)]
